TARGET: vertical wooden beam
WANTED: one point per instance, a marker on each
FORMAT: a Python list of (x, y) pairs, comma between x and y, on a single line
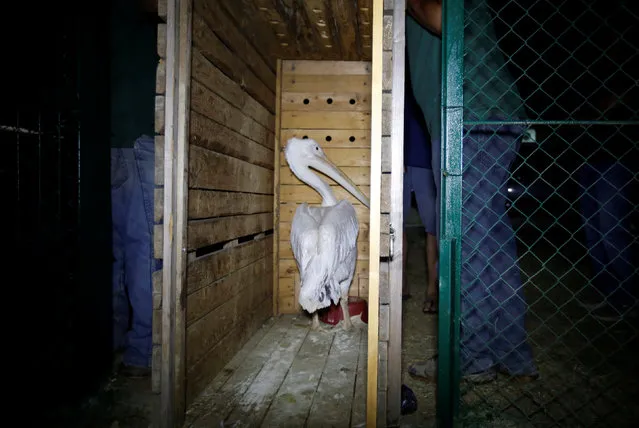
[(397, 213), (375, 213), (176, 145), (276, 188)]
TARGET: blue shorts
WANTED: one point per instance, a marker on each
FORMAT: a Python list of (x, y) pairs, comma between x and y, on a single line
[(422, 182)]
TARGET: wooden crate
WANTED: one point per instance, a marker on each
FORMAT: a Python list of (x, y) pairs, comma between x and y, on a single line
[(330, 102)]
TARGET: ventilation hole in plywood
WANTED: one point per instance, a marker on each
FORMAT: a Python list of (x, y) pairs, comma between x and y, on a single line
[(351, 139), (329, 138), (305, 137), (306, 101), (329, 101), (352, 101)]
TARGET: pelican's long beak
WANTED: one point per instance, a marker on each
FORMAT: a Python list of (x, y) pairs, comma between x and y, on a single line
[(327, 167)]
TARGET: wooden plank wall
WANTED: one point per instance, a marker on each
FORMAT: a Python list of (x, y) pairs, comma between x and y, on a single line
[(384, 269), (328, 101), (160, 87), (230, 200)]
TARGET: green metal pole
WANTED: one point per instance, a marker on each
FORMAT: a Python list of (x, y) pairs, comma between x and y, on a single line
[(448, 376)]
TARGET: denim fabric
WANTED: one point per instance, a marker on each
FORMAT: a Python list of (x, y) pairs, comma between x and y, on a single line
[(132, 190), (606, 209), (422, 182), (493, 306)]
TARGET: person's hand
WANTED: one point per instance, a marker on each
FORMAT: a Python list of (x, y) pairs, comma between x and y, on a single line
[(428, 13)]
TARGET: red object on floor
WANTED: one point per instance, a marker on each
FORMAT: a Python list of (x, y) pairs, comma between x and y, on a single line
[(333, 314)]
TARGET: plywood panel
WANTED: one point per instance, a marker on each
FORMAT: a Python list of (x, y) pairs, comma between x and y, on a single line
[(328, 101), (326, 119), (359, 174), (326, 83), (343, 138), (342, 156), (302, 101)]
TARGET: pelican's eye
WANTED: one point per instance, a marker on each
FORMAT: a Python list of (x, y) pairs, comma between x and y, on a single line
[(317, 148)]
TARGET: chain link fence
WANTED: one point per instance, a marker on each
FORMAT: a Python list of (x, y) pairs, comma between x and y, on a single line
[(546, 314)]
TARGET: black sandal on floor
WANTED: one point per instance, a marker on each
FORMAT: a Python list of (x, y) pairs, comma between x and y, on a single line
[(430, 305)]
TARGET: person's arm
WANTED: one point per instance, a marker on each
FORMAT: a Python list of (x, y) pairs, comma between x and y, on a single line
[(428, 13)]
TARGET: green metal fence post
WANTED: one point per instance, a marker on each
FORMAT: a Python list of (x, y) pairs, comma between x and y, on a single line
[(451, 207)]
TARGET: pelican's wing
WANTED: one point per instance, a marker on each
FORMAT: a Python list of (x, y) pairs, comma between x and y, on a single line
[(304, 234), (338, 235)]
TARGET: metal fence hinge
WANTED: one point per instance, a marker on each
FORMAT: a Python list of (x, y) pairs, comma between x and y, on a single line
[(391, 249)]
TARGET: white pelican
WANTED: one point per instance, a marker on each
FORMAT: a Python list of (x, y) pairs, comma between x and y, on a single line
[(324, 239)]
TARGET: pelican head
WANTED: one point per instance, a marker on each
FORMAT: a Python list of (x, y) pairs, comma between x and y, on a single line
[(304, 153)]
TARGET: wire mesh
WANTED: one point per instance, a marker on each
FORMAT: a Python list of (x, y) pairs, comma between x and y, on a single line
[(548, 282)]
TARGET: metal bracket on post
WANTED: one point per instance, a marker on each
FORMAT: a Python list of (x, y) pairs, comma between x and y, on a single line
[(391, 248)]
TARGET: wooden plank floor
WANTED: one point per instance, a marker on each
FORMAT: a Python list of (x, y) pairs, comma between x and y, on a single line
[(289, 376)]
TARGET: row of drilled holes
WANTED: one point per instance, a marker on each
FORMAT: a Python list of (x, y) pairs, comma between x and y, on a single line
[(329, 138), (330, 101)]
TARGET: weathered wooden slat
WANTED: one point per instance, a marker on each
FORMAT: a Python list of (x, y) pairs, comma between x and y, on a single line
[(326, 83), (200, 374), (326, 119), (231, 36), (158, 206), (361, 175), (344, 16), (319, 15), (208, 203), (386, 154), (253, 406), (248, 19), (222, 346), (331, 101), (334, 409), (162, 41), (160, 77), (269, 17), (159, 114), (215, 51), (341, 68), (342, 157), (212, 77), (162, 12), (385, 207), (202, 233), (208, 298), (207, 269), (276, 184), (342, 138), (208, 330), (215, 171), (303, 382), (365, 28), (218, 138), (211, 105), (229, 385)]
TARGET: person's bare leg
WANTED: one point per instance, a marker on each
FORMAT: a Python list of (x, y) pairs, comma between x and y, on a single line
[(431, 262)]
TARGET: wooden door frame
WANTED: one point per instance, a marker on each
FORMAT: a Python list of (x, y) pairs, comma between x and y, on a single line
[(396, 271), (375, 213), (176, 150)]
